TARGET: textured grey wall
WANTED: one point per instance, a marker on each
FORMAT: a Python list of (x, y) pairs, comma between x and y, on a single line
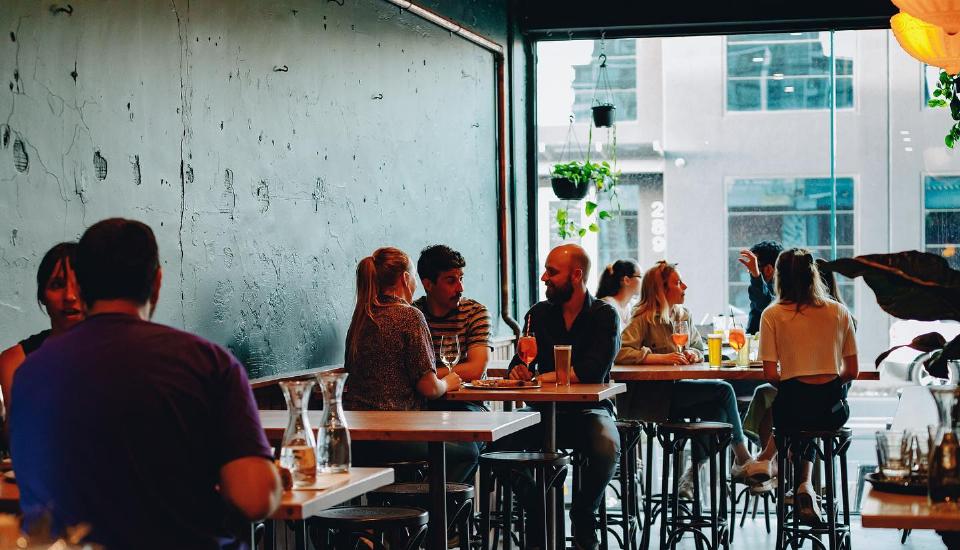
[(270, 145)]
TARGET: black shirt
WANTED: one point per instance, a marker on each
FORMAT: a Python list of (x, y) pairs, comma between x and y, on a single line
[(594, 335), (32, 343)]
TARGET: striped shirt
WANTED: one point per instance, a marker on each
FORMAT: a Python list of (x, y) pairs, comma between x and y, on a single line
[(470, 321)]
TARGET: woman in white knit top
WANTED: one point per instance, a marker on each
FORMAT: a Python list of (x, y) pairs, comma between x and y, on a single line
[(811, 339)]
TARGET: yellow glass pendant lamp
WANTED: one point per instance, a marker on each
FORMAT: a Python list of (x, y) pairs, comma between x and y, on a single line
[(926, 42), (942, 13)]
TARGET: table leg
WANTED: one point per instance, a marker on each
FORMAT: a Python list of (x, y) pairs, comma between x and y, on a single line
[(437, 458), (554, 539)]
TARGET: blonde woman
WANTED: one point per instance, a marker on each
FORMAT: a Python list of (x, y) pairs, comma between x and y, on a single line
[(389, 356), (647, 341)]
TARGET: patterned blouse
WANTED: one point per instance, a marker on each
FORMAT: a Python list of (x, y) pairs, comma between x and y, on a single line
[(392, 355)]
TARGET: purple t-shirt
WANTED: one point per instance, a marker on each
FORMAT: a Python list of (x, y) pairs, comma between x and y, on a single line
[(124, 424)]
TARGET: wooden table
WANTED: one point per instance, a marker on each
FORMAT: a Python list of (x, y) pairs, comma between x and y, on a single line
[(331, 490), (699, 371), (891, 511), (548, 395), (436, 428)]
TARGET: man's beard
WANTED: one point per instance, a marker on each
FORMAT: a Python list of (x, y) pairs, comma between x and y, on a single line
[(559, 295)]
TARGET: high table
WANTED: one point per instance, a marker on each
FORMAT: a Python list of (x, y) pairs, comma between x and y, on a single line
[(697, 371), (892, 511), (329, 491), (434, 427), (548, 395)]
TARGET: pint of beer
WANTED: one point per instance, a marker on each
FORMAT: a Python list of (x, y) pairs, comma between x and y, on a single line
[(561, 362)]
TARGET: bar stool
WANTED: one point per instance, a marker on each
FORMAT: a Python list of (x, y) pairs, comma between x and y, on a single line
[(417, 495), (412, 471), (627, 520), (673, 438), (349, 524), (748, 492), (828, 446), (549, 471)]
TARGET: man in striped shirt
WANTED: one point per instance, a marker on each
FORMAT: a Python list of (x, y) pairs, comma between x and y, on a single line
[(449, 314)]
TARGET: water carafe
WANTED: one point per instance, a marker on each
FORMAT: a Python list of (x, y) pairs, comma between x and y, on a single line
[(944, 469), (333, 436), (297, 452)]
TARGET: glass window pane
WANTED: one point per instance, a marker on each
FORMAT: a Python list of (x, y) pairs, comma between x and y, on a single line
[(743, 95)]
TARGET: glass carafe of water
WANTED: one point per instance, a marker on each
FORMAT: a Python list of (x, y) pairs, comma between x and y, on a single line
[(297, 452), (944, 468), (333, 436)]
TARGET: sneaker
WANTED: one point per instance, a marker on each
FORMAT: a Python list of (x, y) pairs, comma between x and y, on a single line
[(758, 471), (764, 487), (685, 489), (739, 472), (808, 509)]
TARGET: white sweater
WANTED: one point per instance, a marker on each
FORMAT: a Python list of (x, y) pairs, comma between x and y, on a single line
[(813, 341)]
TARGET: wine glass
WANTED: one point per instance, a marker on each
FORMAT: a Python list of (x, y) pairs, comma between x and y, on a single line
[(738, 337), (449, 350), (527, 349), (681, 333)]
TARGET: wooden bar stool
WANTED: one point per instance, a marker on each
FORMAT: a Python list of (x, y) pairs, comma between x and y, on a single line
[(830, 447), (405, 528), (625, 524), (549, 471), (673, 438), (417, 495)]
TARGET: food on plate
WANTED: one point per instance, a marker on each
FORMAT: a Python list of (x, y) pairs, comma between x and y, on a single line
[(503, 383)]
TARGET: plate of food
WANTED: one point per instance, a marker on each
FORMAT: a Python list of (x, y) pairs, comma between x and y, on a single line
[(733, 363), (502, 384)]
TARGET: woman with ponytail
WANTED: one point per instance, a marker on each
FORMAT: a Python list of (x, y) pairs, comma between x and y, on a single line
[(619, 285), (389, 357), (810, 337)]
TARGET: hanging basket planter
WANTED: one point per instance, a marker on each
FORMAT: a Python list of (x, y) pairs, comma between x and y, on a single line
[(603, 115), (568, 189)]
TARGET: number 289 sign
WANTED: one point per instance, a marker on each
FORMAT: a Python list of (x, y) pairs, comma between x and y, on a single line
[(658, 226)]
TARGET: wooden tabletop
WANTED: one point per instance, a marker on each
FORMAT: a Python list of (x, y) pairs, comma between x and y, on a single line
[(699, 371), (590, 393), (449, 426), (331, 490), (892, 511)]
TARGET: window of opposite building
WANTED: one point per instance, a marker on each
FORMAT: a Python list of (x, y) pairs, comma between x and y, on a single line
[(621, 73), (793, 211), (788, 71), (941, 217)]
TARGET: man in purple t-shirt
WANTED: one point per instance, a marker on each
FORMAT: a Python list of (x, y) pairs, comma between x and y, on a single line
[(146, 433)]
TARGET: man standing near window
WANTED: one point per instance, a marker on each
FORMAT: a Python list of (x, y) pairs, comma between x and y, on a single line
[(759, 261), (572, 316), (451, 315), (147, 434)]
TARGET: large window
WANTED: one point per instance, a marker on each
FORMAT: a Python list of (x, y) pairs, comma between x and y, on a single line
[(941, 217), (795, 212), (775, 72)]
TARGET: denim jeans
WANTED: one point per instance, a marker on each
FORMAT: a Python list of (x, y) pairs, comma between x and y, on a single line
[(593, 434), (708, 400)]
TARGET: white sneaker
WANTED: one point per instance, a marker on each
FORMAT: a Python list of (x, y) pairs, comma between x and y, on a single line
[(685, 489), (759, 470), (739, 472)]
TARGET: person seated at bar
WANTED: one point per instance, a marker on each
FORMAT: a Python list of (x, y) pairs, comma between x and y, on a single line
[(451, 315), (759, 262), (389, 356), (59, 295), (148, 434), (647, 340), (619, 285), (758, 421), (811, 338), (572, 316)]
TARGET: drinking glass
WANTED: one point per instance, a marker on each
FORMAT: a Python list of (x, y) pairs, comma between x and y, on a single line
[(681, 333), (527, 349), (297, 452), (737, 337), (449, 350), (562, 355), (893, 450), (715, 349)]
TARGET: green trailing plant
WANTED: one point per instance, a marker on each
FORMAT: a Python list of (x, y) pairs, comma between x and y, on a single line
[(912, 285), (604, 178), (944, 95)]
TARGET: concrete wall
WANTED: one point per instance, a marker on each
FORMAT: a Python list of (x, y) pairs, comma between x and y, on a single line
[(270, 145)]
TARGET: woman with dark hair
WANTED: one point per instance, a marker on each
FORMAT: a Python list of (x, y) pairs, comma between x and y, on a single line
[(59, 295), (619, 285), (389, 357), (809, 352)]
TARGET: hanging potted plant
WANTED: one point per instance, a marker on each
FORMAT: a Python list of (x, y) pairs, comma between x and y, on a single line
[(605, 180), (603, 108), (946, 94)]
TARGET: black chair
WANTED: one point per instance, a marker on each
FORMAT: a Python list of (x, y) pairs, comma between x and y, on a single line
[(626, 523), (673, 437), (548, 469), (417, 495), (830, 447), (384, 527)]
